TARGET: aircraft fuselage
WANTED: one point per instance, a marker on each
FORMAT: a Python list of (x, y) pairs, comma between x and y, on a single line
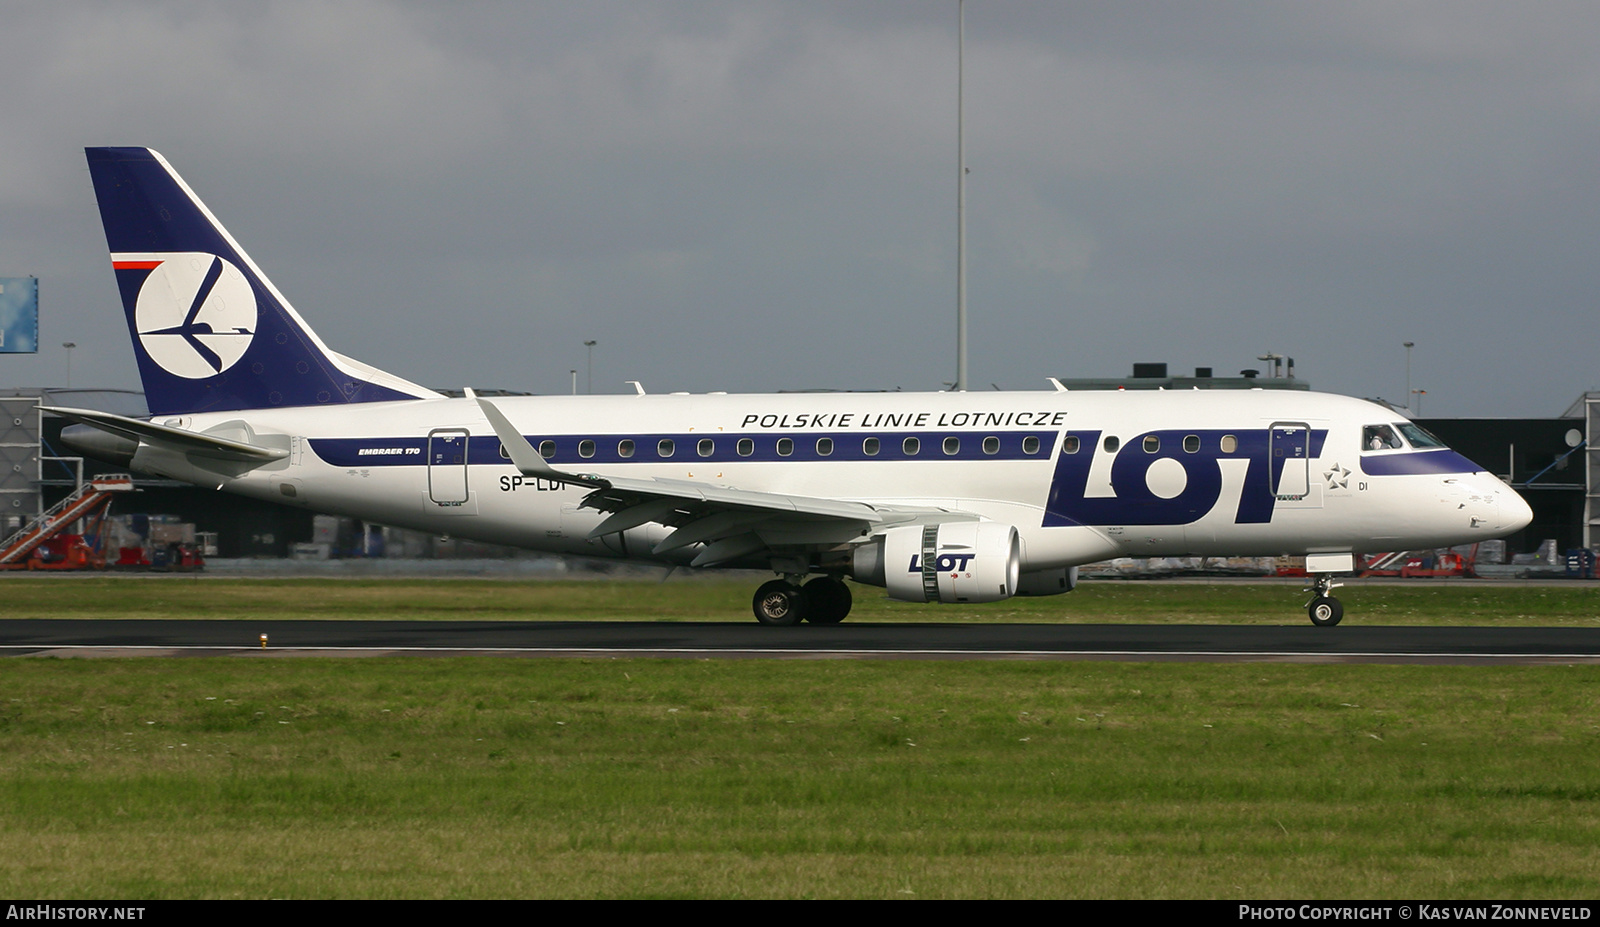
[(1084, 476)]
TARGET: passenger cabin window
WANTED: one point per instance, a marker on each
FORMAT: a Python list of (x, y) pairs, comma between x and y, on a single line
[(746, 447), (706, 447), (1030, 445), (1069, 444), (785, 447), (824, 447), (547, 449), (870, 447), (585, 448), (1111, 444), (1379, 438), (1152, 444), (991, 445), (664, 447), (1191, 443), (911, 446), (625, 448), (1229, 444), (952, 445)]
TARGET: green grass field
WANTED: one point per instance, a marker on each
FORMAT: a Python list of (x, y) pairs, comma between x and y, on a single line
[(248, 777), (699, 599)]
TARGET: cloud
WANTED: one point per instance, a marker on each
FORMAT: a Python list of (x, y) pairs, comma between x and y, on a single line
[(470, 191)]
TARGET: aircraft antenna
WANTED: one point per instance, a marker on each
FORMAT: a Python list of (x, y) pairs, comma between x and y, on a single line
[(961, 200)]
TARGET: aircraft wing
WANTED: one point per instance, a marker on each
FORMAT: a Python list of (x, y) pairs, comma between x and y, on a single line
[(730, 522)]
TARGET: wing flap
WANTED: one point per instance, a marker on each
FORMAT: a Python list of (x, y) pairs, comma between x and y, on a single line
[(623, 492), (729, 548), (719, 525)]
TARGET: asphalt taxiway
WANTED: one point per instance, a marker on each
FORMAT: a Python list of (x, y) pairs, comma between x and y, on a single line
[(1220, 643)]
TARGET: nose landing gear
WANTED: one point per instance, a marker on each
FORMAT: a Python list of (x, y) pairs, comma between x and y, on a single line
[(1325, 610)]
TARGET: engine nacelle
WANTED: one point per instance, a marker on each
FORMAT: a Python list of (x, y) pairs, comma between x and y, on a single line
[(1048, 582), (953, 562)]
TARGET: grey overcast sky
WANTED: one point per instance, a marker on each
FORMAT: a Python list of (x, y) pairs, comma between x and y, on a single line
[(753, 196)]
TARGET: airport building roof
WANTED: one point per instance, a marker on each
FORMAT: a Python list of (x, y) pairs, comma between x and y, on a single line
[(1155, 376)]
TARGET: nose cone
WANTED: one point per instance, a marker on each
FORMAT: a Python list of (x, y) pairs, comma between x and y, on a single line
[(1514, 511), (1490, 508)]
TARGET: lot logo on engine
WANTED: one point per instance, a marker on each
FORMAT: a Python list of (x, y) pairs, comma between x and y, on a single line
[(944, 563)]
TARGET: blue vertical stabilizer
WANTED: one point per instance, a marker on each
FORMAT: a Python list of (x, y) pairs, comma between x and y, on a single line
[(210, 331)]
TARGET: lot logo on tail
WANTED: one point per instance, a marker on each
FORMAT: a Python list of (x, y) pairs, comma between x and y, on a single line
[(196, 314)]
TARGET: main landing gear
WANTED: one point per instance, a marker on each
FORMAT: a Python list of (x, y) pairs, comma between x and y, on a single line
[(1325, 610), (784, 602)]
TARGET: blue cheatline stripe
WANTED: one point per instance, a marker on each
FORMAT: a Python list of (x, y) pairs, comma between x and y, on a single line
[(724, 448), (1424, 462)]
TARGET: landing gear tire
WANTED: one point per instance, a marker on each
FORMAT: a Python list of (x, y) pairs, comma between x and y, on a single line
[(827, 599), (779, 604), (1325, 611)]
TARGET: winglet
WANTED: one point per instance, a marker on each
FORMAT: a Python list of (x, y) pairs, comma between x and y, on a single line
[(525, 456)]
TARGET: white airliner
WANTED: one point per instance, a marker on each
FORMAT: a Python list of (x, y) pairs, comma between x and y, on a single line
[(939, 497)]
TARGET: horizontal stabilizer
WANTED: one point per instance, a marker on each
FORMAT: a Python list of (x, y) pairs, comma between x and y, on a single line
[(188, 442)]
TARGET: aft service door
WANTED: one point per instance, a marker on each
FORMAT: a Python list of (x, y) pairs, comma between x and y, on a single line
[(1291, 460), (447, 466)]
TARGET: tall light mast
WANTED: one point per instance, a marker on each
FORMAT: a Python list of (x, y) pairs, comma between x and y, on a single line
[(961, 200)]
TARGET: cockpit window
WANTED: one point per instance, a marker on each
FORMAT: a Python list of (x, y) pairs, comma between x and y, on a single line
[(1418, 436), (1379, 438)]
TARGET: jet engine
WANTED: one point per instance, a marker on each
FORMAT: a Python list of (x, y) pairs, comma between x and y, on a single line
[(1048, 582), (952, 562)]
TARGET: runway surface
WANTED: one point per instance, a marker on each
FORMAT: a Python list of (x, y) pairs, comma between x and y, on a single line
[(1354, 643)]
